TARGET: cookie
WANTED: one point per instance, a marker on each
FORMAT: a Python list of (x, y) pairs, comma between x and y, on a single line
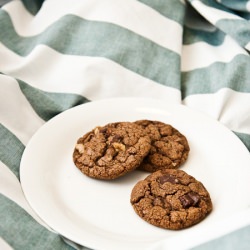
[(169, 148), (111, 151), (171, 199)]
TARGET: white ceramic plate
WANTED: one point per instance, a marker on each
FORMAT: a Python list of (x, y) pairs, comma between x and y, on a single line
[(98, 214)]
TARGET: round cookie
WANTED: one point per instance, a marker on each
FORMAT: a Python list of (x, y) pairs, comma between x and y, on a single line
[(169, 148), (171, 199), (112, 150)]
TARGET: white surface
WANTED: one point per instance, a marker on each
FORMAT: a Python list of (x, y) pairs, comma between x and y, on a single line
[(97, 213)]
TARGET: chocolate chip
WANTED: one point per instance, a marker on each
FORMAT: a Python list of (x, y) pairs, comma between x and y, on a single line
[(195, 197), (190, 199), (186, 201), (168, 178), (103, 131), (116, 138)]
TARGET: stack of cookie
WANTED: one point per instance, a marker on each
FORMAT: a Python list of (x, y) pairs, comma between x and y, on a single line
[(168, 197)]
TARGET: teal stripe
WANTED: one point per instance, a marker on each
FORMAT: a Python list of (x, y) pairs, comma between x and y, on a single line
[(238, 29), (239, 240), (234, 75), (47, 104), (11, 150), (33, 6), (73, 35), (214, 38), (174, 10), (21, 231), (245, 138)]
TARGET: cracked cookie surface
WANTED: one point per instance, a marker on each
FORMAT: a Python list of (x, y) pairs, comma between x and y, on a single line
[(171, 199), (111, 151), (169, 148)]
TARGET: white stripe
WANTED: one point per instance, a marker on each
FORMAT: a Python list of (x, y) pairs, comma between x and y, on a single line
[(92, 77), (143, 20), (11, 188), (8, 57), (4, 245), (248, 6), (230, 107), (201, 54), (212, 14), (16, 113), (248, 46)]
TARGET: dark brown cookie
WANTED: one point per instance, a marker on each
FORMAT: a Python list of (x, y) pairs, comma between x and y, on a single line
[(172, 199), (169, 148), (112, 150)]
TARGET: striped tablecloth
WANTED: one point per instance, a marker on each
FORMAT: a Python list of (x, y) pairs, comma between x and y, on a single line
[(57, 54)]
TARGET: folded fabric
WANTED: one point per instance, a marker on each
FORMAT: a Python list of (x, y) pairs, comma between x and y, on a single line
[(57, 54)]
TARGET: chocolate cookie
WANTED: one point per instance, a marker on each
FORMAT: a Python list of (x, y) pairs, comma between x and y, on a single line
[(112, 150), (172, 199), (169, 148)]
